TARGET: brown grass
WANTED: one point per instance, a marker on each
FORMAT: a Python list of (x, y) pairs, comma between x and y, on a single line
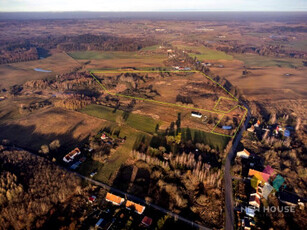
[(19, 73), (49, 124)]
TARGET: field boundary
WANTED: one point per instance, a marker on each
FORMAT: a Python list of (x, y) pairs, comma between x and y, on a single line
[(223, 113)]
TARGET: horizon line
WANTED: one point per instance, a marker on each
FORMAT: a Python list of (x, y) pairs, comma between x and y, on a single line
[(156, 11)]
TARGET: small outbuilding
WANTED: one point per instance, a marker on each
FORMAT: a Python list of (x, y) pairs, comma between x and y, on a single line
[(196, 114)]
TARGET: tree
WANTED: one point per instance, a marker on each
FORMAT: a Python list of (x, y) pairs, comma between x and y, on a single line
[(54, 145), (162, 221), (44, 149)]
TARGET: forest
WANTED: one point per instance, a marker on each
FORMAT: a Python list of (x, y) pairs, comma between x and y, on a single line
[(32, 188), (33, 49)]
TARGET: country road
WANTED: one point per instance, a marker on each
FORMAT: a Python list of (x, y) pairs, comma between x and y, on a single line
[(143, 202), (124, 194), (228, 178)]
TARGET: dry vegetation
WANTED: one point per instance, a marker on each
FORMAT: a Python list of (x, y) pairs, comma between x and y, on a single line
[(32, 189)]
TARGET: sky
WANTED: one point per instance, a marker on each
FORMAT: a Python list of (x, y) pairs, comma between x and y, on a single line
[(153, 5)]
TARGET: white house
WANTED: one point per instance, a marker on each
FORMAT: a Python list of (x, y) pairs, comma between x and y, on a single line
[(196, 114), (254, 200), (243, 154)]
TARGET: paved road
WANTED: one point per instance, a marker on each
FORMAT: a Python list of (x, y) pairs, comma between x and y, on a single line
[(228, 179), (143, 202)]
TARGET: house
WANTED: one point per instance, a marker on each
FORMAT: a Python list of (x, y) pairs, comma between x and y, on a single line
[(250, 211), (116, 200), (103, 136), (266, 190), (277, 182), (251, 129), (92, 199), (243, 154), (269, 170), (138, 208), (264, 177), (254, 200), (70, 156), (247, 224), (196, 114), (147, 221), (256, 125)]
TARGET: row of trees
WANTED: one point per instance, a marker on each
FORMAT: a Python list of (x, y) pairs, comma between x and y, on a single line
[(199, 170)]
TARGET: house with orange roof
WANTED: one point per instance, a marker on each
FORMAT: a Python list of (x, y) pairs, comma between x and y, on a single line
[(71, 155), (264, 177), (116, 200), (138, 208)]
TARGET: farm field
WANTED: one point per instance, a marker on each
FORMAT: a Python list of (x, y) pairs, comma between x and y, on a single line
[(266, 82), (139, 122), (19, 73), (118, 59), (253, 60), (190, 91), (203, 53), (46, 125)]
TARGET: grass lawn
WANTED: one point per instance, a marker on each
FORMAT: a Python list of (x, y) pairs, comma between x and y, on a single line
[(253, 60), (139, 122), (203, 53)]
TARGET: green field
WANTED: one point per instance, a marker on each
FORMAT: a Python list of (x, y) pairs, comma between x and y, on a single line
[(150, 48), (203, 53), (110, 55), (136, 121), (253, 60)]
